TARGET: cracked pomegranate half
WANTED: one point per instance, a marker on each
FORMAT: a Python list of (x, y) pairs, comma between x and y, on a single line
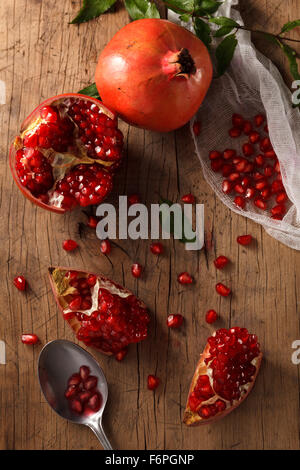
[(224, 376), (66, 153), (103, 314)]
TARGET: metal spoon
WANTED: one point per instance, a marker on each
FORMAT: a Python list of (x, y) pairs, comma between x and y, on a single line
[(58, 360)]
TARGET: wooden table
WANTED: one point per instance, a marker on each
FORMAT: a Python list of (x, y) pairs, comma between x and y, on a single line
[(42, 55)]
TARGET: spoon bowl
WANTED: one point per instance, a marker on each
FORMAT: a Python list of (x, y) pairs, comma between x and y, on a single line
[(58, 360)]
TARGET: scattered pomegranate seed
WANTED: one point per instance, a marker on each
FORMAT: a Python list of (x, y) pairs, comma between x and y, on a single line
[(259, 119), (174, 321), (244, 239), (92, 222), (254, 137), (197, 128), (69, 245), (221, 262), (188, 198), (134, 199), (157, 248), (215, 155), (223, 290), (121, 354), (152, 382), (105, 247), (20, 282), (211, 316), (240, 201), (136, 270), (30, 338), (228, 154), (237, 120), (234, 132), (184, 278)]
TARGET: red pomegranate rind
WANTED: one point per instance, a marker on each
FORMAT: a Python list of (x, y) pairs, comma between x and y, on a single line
[(210, 397), (103, 314), (66, 153)]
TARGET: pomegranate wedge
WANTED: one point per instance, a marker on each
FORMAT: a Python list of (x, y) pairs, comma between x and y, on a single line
[(102, 314), (224, 376), (66, 153)]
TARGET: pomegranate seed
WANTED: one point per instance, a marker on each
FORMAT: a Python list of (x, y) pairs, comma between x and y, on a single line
[(247, 127), (227, 169), (136, 270), (214, 155), (121, 354), (277, 187), (250, 193), (265, 194), (245, 182), (92, 222), (265, 144), (29, 338), (240, 164), (268, 170), (76, 406), (240, 201), (84, 372), (223, 290), (75, 303), (71, 391), (270, 154), (281, 197), (228, 154), (211, 316), (134, 199), (75, 379), (260, 203), (94, 402), (226, 187), (280, 209), (188, 198), (105, 247), (248, 149), (221, 262), (156, 248), (261, 184), (239, 189), (277, 217), (234, 132), (277, 167), (20, 282), (91, 280), (174, 321), (91, 382), (244, 239), (234, 176), (184, 278), (216, 165), (259, 160), (259, 119), (197, 128), (254, 137), (152, 382), (237, 120), (69, 245), (68, 315)]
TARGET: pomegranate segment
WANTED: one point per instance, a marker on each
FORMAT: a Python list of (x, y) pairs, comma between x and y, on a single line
[(82, 393), (224, 375), (66, 153), (102, 314)]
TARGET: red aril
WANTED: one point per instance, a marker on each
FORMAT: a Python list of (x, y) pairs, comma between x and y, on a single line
[(69, 245), (105, 247), (224, 376), (239, 188), (234, 132), (277, 187), (217, 165), (214, 155), (250, 193), (66, 152), (29, 338), (247, 127), (84, 372), (259, 160), (222, 290), (280, 209), (136, 270), (188, 198), (221, 262), (159, 87), (270, 154), (105, 315), (228, 154), (265, 145), (152, 382), (281, 197), (211, 316), (268, 170), (184, 278), (174, 321), (134, 199), (237, 120), (248, 149), (240, 201), (82, 393), (265, 193), (92, 222), (197, 128), (260, 203), (234, 176), (121, 354), (244, 239), (254, 137), (156, 248), (226, 187), (259, 119), (20, 282)]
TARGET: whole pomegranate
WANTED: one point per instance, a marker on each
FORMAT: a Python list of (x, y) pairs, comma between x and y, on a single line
[(66, 153), (154, 74)]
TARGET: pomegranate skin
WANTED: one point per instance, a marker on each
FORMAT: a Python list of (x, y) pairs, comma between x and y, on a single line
[(136, 78)]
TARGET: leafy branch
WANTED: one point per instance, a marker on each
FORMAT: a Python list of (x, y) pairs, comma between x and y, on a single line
[(206, 26)]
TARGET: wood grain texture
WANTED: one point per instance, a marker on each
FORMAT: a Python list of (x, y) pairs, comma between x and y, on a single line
[(42, 55)]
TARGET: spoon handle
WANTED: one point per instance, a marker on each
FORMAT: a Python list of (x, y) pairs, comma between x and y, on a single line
[(97, 428)]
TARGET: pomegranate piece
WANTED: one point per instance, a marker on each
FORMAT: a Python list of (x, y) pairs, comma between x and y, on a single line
[(105, 247), (188, 198), (221, 262), (20, 282), (184, 278), (174, 321), (82, 392), (29, 338), (224, 376), (211, 316), (69, 245), (156, 248), (244, 239), (197, 128), (66, 152), (152, 382), (134, 199), (136, 270), (222, 290), (102, 314)]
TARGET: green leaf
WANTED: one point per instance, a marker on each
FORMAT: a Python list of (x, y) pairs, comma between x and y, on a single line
[(92, 9), (207, 7), (139, 9), (185, 18), (172, 228), (90, 90), (202, 31), (223, 21), (289, 26), (271, 38), (180, 5), (292, 58), (223, 31), (225, 52)]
